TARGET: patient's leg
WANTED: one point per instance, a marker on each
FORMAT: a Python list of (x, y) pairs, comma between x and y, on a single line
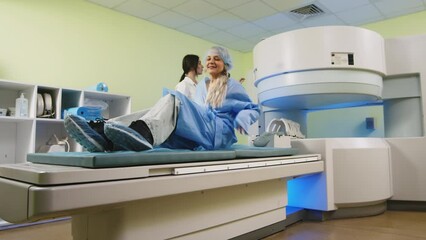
[(126, 137), (89, 135), (161, 119), (153, 128)]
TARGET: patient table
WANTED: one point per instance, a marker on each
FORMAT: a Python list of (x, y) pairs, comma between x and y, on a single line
[(225, 195)]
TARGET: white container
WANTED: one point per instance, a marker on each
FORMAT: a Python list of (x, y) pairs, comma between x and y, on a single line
[(21, 106)]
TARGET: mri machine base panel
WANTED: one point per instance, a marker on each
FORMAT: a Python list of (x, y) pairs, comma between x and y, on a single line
[(224, 213)]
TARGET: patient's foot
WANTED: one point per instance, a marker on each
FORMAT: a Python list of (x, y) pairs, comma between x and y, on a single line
[(127, 137), (98, 126), (80, 130)]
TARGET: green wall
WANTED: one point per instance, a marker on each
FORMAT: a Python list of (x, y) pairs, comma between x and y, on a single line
[(412, 24), (76, 44)]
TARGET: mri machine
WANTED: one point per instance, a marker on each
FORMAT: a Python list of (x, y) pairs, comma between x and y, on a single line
[(358, 100), (346, 168), (303, 73)]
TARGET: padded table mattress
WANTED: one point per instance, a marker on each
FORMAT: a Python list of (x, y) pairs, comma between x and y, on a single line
[(154, 156)]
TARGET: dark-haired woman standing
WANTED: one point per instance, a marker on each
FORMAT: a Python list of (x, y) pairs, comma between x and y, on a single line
[(192, 68)]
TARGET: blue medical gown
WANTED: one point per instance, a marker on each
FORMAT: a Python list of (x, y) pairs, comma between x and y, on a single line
[(199, 126)]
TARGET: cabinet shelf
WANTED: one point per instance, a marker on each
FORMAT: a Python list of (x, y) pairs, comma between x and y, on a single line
[(20, 136), (14, 119)]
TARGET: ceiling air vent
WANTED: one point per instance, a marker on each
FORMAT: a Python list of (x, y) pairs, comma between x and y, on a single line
[(307, 11)]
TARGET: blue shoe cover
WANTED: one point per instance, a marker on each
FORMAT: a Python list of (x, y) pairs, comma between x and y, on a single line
[(78, 128), (126, 137)]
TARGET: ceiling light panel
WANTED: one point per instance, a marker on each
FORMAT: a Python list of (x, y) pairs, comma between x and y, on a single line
[(242, 45), (198, 29), (253, 10), (140, 9), (246, 30), (108, 3), (289, 28), (223, 20), (360, 15), (274, 22), (221, 37), (171, 19), (167, 3), (197, 9), (227, 4), (343, 5)]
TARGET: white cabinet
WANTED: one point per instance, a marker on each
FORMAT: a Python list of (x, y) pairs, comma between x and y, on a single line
[(22, 135)]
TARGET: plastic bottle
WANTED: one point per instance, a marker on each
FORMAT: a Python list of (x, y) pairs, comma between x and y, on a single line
[(21, 107), (100, 87)]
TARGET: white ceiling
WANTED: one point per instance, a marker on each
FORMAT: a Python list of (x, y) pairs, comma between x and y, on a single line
[(241, 24)]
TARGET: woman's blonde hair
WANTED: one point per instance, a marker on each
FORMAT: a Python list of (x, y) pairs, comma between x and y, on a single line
[(217, 91)]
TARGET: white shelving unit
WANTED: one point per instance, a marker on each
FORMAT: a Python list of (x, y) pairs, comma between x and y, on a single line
[(20, 136)]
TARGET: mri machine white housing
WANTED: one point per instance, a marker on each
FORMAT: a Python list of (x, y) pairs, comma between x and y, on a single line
[(322, 68), (404, 116), (318, 67)]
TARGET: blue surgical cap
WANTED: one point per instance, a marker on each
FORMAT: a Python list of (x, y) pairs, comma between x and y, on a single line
[(223, 54)]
